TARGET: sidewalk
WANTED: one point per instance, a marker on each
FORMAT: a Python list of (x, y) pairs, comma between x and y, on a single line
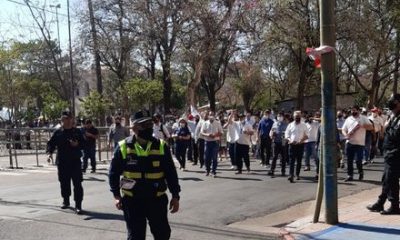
[(356, 222)]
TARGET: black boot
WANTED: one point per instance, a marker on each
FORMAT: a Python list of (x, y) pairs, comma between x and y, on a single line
[(65, 203), (376, 207), (394, 209), (78, 208)]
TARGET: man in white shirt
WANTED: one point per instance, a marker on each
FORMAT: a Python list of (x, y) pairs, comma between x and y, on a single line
[(211, 131), (244, 132), (232, 135), (310, 147), (354, 130), (296, 134), (160, 131), (378, 131), (200, 139)]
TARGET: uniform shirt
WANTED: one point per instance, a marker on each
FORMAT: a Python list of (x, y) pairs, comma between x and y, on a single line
[(244, 139), (67, 155), (160, 131), (279, 129), (295, 132), (312, 131), (118, 165), (118, 133), (211, 128), (358, 137), (90, 142), (391, 142)]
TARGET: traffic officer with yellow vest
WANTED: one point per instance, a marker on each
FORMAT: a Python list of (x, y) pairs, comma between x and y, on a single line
[(147, 169)]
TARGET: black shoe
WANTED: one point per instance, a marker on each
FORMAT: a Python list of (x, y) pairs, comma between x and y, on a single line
[(376, 207), (93, 171), (283, 174), (207, 173), (316, 178), (65, 204), (298, 178), (391, 211), (78, 211), (348, 179), (361, 176), (291, 179), (238, 172), (270, 173)]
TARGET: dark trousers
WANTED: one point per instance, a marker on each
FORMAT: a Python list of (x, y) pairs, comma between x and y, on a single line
[(391, 184), (242, 155), (279, 149), (232, 154), (201, 148), (65, 175), (138, 211), (180, 154), (192, 153), (296, 155), (89, 153), (354, 151), (265, 150), (384, 193)]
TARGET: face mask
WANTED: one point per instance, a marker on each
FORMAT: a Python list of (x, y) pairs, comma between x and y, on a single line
[(182, 125), (118, 124), (146, 134), (211, 119), (354, 114), (297, 119), (280, 119), (340, 116)]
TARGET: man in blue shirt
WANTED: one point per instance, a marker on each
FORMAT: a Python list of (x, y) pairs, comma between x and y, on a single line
[(278, 134), (263, 135)]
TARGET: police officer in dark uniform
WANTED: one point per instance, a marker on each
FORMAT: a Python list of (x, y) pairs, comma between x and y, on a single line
[(69, 142), (391, 175), (147, 169)]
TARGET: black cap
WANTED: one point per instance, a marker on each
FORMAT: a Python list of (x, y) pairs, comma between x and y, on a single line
[(66, 114), (141, 116)]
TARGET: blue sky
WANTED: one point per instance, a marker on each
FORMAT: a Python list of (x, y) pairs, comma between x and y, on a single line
[(16, 22)]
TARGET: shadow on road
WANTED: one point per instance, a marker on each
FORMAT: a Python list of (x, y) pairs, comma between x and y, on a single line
[(191, 179), (90, 215), (93, 179), (241, 179), (30, 205)]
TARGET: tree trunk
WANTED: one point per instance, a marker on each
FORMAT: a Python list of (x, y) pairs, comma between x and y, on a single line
[(194, 83), (95, 49), (167, 91), (397, 63), (211, 97)]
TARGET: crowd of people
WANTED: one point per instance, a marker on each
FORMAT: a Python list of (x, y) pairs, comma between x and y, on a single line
[(292, 137)]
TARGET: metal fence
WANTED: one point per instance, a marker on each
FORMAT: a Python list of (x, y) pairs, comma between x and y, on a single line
[(16, 143)]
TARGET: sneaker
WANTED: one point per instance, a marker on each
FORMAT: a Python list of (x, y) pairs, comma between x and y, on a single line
[(93, 171), (233, 167), (348, 179), (270, 173), (238, 172), (376, 207), (214, 175), (207, 173), (65, 205), (78, 211), (342, 165), (364, 162), (306, 169)]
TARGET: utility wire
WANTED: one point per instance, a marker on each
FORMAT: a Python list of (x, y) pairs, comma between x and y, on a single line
[(37, 8)]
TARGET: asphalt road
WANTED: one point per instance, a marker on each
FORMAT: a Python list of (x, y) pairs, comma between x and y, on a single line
[(30, 199)]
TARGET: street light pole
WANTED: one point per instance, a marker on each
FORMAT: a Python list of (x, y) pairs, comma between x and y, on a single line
[(71, 72), (58, 24)]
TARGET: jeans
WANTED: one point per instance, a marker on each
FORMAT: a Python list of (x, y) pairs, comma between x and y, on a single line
[(367, 147), (89, 153), (192, 153), (201, 147), (310, 152), (352, 152), (211, 156), (296, 155)]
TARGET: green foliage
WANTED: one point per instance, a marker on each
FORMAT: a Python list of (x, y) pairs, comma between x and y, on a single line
[(94, 106), (53, 105), (142, 93)]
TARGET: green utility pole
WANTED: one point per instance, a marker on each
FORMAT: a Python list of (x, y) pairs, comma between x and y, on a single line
[(328, 92)]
